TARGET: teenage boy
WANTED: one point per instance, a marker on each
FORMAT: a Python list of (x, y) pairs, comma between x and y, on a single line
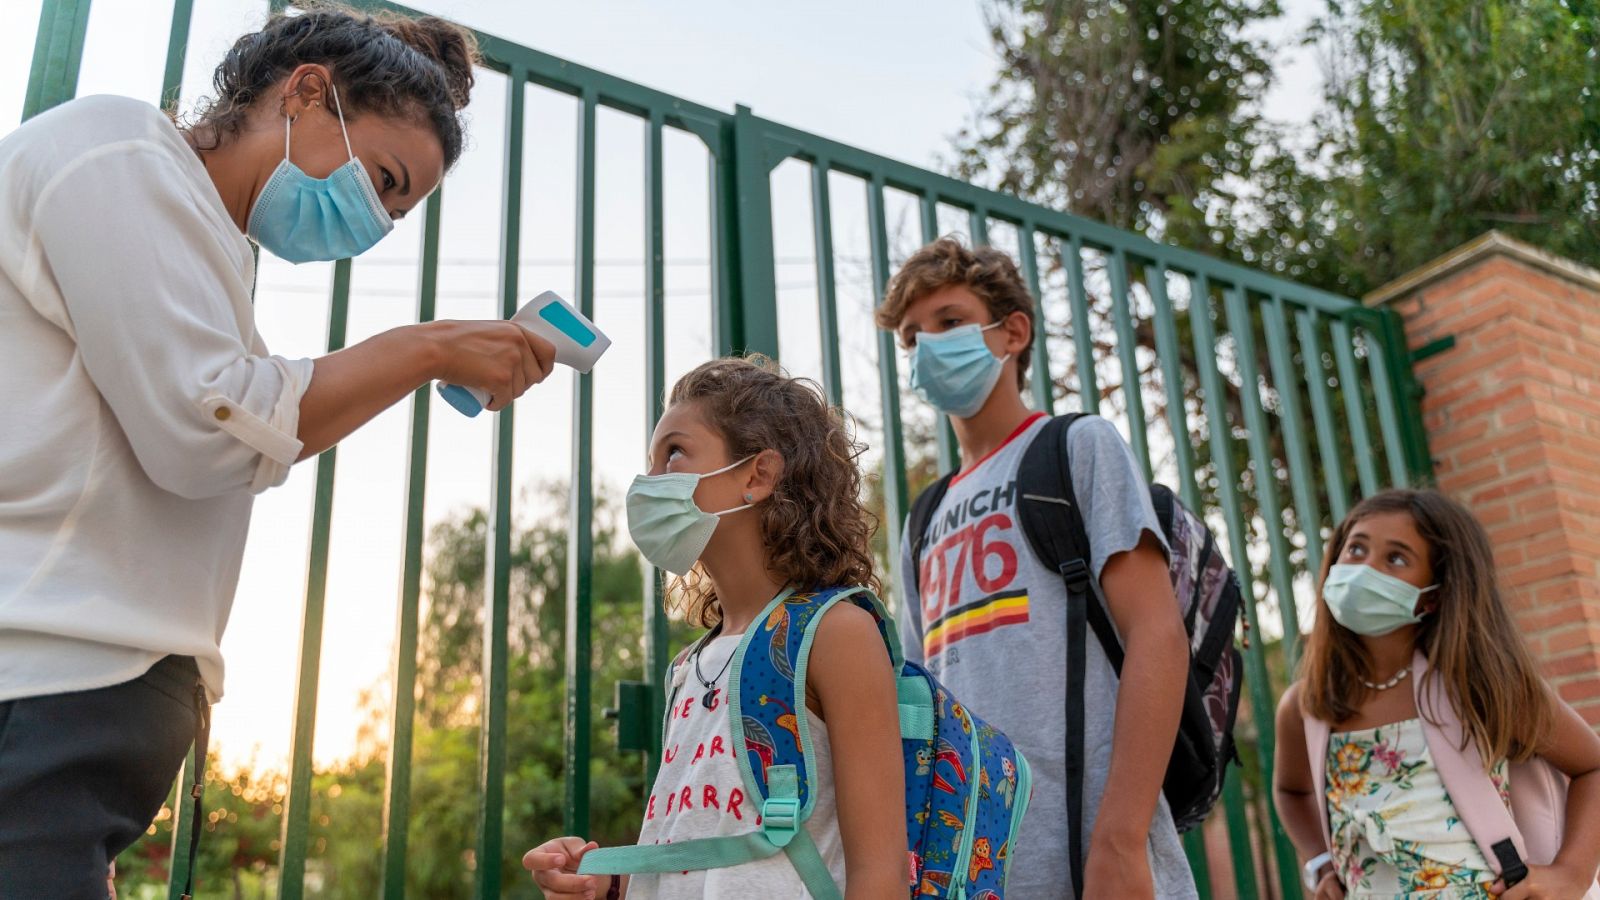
[(989, 619)]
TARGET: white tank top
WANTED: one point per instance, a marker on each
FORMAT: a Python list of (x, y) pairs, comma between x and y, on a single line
[(699, 793)]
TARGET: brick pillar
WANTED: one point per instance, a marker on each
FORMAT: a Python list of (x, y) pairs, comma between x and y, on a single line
[(1512, 413)]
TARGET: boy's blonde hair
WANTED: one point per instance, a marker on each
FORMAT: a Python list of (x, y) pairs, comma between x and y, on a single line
[(986, 272)]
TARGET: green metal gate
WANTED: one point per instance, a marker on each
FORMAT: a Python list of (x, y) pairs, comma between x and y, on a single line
[(1273, 447)]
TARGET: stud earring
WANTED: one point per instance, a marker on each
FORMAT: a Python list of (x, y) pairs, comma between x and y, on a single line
[(749, 498)]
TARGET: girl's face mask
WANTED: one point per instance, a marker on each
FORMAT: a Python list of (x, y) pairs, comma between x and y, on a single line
[(1370, 602), (667, 526)]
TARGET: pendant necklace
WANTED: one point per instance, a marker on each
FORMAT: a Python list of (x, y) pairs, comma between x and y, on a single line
[(708, 700)]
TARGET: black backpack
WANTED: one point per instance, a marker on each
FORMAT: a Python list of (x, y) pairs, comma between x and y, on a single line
[(1209, 599)]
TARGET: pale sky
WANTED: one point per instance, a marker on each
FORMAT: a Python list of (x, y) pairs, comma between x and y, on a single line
[(898, 77)]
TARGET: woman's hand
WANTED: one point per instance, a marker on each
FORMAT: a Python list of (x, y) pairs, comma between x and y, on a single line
[(554, 865), (1553, 882), (351, 386), (1329, 888), (502, 358)]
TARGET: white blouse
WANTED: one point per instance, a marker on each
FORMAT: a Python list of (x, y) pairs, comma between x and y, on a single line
[(140, 408)]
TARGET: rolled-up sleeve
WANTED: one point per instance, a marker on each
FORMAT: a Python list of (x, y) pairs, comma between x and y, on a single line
[(158, 303)]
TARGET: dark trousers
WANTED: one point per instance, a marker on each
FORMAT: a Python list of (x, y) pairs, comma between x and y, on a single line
[(83, 774)]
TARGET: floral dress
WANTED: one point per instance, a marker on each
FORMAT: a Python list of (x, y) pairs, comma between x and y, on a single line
[(1396, 834)]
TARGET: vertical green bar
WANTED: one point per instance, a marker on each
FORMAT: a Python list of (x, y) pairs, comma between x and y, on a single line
[(726, 324), (947, 449), (827, 293), (657, 655), (1408, 396), (181, 809), (1171, 361), (1127, 352), (1194, 847), (1043, 393), (929, 207), (894, 466), (1082, 329), (1344, 353), (1262, 707), (1302, 479), (297, 806), (580, 517), (497, 616), (1259, 441), (1228, 492), (57, 55), (1240, 846), (1308, 323), (397, 802), (980, 226), (758, 294), (177, 48), (1383, 395)]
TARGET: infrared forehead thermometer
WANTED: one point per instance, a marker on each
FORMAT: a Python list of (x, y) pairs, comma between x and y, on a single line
[(578, 344)]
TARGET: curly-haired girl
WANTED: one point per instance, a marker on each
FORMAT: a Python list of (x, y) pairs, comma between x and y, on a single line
[(753, 492)]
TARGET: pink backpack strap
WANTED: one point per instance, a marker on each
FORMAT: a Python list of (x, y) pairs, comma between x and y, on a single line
[(1317, 751), (1463, 772)]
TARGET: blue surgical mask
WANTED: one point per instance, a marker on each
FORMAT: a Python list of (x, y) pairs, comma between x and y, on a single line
[(303, 219), (1370, 602), (667, 526), (954, 370)]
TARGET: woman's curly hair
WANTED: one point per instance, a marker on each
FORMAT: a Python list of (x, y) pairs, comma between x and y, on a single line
[(816, 529), (384, 63)]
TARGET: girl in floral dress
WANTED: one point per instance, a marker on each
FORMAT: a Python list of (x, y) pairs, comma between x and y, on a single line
[(1408, 590)]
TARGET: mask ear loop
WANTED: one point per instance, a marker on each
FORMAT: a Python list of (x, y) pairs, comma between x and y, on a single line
[(339, 108)]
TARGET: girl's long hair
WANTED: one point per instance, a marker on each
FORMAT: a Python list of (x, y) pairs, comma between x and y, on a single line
[(1471, 641), (815, 528)]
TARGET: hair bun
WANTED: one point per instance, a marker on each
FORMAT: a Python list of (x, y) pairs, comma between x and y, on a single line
[(454, 48)]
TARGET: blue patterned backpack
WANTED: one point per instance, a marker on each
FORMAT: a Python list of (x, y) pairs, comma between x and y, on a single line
[(967, 787)]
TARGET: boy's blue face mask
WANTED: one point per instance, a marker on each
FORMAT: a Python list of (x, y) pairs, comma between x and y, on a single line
[(954, 370), (303, 219)]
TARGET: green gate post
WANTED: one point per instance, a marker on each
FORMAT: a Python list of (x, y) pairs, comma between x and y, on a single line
[(177, 50), (297, 806), (497, 599), (397, 801), (758, 275), (57, 55), (657, 655)]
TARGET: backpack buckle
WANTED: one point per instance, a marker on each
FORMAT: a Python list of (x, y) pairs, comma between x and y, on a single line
[(1075, 572), (780, 818)]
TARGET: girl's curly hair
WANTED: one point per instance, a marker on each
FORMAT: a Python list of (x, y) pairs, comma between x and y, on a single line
[(815, 528)]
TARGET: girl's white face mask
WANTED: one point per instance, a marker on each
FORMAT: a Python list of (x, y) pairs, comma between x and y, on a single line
[(669, 529), (1370, 602)]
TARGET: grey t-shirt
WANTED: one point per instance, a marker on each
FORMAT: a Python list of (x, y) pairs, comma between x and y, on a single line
[(990, 622)]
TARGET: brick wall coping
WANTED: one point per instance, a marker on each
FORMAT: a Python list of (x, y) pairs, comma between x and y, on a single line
[(1490, 244)]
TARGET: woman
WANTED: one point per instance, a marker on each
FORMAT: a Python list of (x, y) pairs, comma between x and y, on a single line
[(143, 412)]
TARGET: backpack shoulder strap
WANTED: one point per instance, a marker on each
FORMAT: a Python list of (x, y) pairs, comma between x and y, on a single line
[(1317, 756), (1466, 778), (1053, 522), (772, 743), (922, 510)]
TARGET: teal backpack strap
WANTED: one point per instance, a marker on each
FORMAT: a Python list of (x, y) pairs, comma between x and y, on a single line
[(681, 856), (781, 831)]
